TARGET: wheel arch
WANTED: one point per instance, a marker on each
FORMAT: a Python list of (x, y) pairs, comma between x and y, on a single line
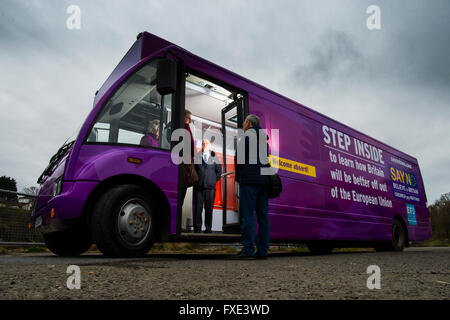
[(163, 208)]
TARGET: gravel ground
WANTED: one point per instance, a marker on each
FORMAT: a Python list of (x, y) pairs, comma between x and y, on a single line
[(417, 273)]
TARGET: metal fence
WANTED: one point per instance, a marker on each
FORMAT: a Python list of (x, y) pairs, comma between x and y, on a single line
[(15, 211)]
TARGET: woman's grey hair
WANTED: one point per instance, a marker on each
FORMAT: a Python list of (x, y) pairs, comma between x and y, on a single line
[(153, 126), (253, 119)]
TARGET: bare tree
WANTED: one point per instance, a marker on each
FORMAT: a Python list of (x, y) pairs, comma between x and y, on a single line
[(32, 191)]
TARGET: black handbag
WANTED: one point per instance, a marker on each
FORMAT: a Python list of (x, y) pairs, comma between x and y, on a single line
[(275, 186), (190, 176)]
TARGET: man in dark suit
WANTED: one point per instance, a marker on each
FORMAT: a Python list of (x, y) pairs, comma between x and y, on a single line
[(209, 171), (253, 188)]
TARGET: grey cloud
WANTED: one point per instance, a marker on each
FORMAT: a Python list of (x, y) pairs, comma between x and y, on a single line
[(420, 37), (412, 48), (30, 20), (334, 55)]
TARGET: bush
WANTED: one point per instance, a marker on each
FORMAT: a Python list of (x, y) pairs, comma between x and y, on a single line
[(440, 217)]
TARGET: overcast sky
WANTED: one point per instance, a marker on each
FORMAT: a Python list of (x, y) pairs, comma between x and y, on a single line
[(392, 83)]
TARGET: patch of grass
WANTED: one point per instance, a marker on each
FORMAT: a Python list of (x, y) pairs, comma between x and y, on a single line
[(176, 247), (288, 249), (432, 243), (30, 249), (33, 249), (187, 247), (222, 249), (3, 250)]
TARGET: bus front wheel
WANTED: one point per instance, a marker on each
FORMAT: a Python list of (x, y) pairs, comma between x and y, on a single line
[(123, 221)]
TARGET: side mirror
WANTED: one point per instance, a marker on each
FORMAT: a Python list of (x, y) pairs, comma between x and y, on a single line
[(166, 77)]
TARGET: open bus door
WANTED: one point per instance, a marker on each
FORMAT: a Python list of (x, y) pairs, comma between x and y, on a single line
[(232, 119)]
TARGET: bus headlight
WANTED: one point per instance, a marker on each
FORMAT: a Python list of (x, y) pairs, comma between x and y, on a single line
[(57, 186)]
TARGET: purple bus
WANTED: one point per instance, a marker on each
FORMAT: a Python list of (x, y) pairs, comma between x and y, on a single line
[(116, 186)]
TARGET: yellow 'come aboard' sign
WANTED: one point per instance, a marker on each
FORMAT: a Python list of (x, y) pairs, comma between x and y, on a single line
[(292, 166)]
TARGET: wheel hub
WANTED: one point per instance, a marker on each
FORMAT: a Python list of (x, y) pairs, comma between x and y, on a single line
[(134, 222)]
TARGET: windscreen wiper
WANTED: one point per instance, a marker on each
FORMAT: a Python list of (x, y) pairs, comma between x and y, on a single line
[(54, 160)]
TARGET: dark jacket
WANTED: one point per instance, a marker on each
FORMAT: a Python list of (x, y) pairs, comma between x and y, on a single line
[(208, 173), (250, 174), (188, 128)]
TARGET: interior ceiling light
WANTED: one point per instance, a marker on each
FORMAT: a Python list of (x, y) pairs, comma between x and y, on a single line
[(211, 93)]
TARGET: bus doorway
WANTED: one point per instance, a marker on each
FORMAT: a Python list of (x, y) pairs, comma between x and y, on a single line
[(232, 119), (214, 110)]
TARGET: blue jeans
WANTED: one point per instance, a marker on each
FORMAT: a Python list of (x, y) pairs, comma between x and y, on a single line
[(254, 198)]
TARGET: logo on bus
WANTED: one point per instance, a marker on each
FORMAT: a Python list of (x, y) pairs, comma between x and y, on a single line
[(411, 211), (403, 177), (404, 185)]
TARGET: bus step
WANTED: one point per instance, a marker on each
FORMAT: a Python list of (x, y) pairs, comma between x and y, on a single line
[(234, 228)]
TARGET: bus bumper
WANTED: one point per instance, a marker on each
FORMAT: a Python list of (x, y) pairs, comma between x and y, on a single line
[(63, 211)]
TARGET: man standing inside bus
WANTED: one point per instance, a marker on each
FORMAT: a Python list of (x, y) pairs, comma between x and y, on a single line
[(209, 171), (253, 188)]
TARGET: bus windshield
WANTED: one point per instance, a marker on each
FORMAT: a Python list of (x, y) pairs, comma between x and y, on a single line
[(136, 113)]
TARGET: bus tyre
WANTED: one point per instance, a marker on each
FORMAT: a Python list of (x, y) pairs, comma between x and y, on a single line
[(71, 242), (123, 221), (318, 247), (398, 236)]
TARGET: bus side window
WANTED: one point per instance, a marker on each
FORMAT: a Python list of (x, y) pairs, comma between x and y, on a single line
[(136, 114), (93, 135)]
